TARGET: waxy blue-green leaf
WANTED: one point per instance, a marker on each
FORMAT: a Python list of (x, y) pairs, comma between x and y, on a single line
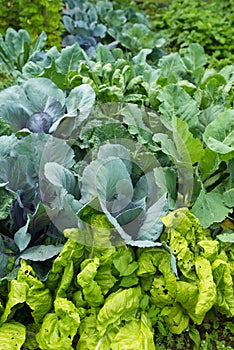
[(227, 236), (41, 252), (81, 99), (69, 59), (152, 225), (38, 96), (219, 134), (166, 180), (22, 237), (228, 197)]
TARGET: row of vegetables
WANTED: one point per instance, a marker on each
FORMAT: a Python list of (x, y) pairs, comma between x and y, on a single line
[(117, 194)]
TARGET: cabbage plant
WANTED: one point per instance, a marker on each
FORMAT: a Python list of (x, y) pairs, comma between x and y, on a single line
[(38, 105), (126, 195)]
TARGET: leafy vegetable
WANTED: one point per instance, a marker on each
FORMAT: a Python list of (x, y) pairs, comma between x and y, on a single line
[(124, 206), (111, 24), (59, 328), (16, 50), (12, 335), (184, 23)]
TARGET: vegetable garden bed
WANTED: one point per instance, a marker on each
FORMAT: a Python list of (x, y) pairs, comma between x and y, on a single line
[(116, 183)]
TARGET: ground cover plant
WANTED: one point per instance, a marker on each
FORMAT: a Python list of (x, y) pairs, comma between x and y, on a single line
[(206, 22), (141, 256)]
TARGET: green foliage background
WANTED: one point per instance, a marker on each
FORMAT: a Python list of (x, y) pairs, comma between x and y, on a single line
[(209, 23), (34, 16)]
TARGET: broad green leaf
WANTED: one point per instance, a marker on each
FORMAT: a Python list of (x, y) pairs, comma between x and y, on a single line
[(81, 99), (105, 278), (228, 198), (219, 134), (225, 294), (208, 115), (118, 305), (38, 297), (59, 328), (175, 102), (138, 334), (18, 46), (152, 225), (166, 180), (12, 335), (41, 252), (177, 317), (32, 70), (40, 43), (189, 148), (140, 58), (134, 117), (17, 295), (22, 237), (86, 280), (227, 236), (196, 338), (103, 54), (69, 59), (208, 163), (88, 335), (185, 150), (171, 68), (195, 60), (210, 208), (207, 288), (66, 280), (124, 262), (38, 96)]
